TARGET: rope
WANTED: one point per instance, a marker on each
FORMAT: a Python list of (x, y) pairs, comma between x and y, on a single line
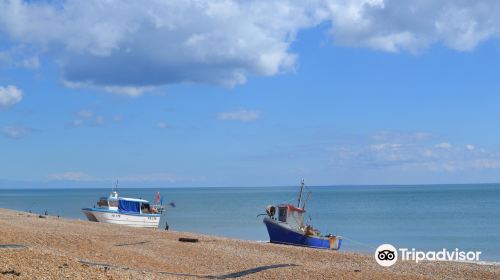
[(373, 247), (292, 198)]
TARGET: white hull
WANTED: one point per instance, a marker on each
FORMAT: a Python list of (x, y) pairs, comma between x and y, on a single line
[(146, 221)]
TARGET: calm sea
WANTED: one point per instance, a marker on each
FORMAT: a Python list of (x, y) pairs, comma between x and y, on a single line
[(422, 217)]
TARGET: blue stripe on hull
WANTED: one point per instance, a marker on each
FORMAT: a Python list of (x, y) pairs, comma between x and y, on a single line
[(119, 212), (280, 234)]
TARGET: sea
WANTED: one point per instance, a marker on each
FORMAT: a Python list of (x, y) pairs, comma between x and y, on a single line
[(424, 217)]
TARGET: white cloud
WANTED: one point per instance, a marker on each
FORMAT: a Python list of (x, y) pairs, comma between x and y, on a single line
[(130, 91), (127, 90), (85, 114), (162, 125), (400, 137), (16, 131), (141, 45), (87, 117), (406, 25), (444, 145), (99, 120), (69, 176), (242, 115), (10, 95), (470, 147), (76, 123), (29, 63)]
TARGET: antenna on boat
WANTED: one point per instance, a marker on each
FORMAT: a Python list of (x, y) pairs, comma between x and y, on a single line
[(114, 190), (301, 190)]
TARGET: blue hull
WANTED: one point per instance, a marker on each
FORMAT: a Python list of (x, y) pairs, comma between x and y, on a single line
[(283, 235)]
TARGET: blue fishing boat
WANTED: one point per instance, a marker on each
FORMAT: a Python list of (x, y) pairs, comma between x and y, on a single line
[(288, 227)]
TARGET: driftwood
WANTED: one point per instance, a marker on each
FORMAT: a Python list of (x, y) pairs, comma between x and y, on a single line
[(186, 239), (129, 244), (11, 272)]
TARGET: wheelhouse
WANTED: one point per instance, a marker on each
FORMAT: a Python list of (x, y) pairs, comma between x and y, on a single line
[(292, 215), (110, 203)]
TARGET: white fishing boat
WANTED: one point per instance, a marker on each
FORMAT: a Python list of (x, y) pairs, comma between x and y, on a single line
[(127, 211)]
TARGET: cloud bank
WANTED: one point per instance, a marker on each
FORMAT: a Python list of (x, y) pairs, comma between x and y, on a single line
[(128, 47), (70, 176), (412, 152)]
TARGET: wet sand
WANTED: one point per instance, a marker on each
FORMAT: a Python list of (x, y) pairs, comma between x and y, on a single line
[(55, 248)]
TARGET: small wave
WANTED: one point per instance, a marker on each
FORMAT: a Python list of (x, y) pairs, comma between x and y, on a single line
[(491, 263), (487, 263)]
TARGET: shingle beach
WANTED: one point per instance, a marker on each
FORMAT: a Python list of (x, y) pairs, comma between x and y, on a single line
[(46, 247)]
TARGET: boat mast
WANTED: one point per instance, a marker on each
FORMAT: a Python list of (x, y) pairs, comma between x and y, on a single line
[(301, 190), (114, 190)]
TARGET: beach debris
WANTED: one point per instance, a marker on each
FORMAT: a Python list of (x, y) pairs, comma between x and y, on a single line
[(89, 263), (63, 265), (187, 239), (357, 270), (128, 244), (41, 216), (13, 246), (10, 272)]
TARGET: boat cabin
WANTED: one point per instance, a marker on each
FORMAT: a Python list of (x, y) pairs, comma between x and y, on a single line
[(291, 215), (126, 205), (135, 206), (110, 203)]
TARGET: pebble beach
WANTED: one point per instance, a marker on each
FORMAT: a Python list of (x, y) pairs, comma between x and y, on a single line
[(36, 246)]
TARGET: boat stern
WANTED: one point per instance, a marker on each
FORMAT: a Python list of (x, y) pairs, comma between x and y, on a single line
[(335, 242)]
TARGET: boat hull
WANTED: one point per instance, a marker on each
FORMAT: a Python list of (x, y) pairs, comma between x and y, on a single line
[(119, 218), (280, 233)]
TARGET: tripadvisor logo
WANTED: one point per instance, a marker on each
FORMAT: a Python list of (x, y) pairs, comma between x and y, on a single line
[(387, 255)]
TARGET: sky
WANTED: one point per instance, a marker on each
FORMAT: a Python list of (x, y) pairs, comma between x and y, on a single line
[(248, 93)]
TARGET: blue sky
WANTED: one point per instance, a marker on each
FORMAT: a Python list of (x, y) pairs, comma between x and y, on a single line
[(249, 94)]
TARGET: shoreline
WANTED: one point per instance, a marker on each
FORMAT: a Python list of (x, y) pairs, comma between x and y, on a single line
[(55, 248)]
